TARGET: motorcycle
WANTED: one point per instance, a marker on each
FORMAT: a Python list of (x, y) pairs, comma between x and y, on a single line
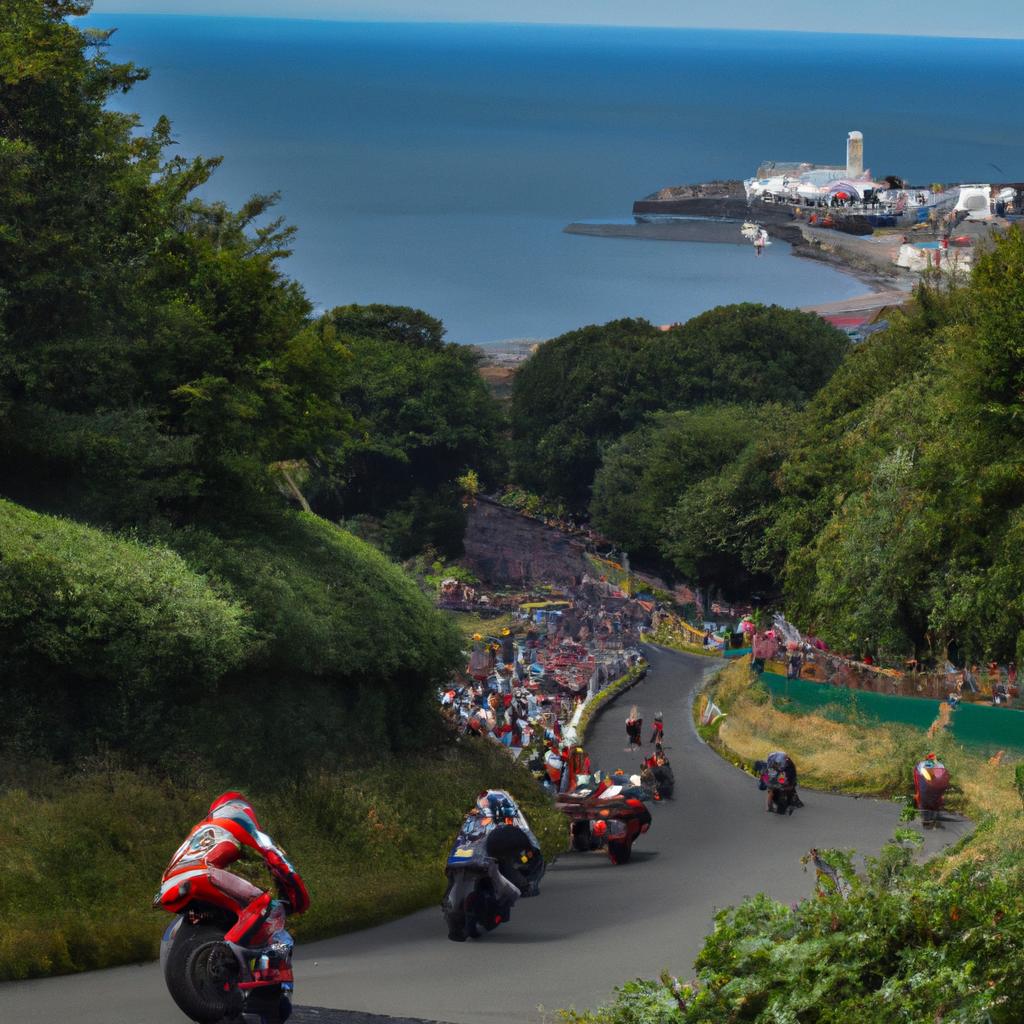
[(774, 777), (782, 798), (220, 956), (495, 859), (612, 816)]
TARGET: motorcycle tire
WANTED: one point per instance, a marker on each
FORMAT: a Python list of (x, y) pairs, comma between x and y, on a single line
[(199, 964), (580, 832), (619, 852), (456, 921), (284, 1011), (487, 914), (471, 913)]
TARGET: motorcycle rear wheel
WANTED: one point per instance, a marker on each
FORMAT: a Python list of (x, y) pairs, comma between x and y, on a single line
[(199, 965), (619, 851), (456, 921), (580, 832)]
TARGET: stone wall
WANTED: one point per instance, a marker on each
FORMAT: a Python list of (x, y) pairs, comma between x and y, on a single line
[(503, 547)]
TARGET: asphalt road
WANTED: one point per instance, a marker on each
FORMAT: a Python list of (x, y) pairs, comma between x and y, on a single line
[(594, 925)]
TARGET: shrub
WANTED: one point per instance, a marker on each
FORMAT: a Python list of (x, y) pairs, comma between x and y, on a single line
[(101, 636)]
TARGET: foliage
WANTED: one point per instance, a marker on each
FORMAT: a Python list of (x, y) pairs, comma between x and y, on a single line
[(694, 489), (575, 394), (369, 840), (900, 495), (715, 531), (103, 640), (114, 644), (425, 428), (748, 354), (531, 504), (153, 359), (432, 571), (584, 390), (645, 472)]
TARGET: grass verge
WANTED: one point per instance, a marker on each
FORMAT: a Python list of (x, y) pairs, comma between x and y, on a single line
[(467, 623), (83, 852), (863, 757), (663, 639)]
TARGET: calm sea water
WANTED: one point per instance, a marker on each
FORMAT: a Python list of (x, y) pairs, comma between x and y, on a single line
[(436, 165)]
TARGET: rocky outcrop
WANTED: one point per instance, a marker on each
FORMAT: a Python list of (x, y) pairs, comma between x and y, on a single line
[(504, 547)]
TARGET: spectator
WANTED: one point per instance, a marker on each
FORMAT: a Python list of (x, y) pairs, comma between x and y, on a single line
[(634, 725), (658, 733)]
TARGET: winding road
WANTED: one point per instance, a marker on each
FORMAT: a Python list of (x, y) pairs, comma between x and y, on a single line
[(593, 927)]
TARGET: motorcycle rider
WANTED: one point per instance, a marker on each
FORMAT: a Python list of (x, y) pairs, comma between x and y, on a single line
[(779, 763), (519, 858), (221, 838)]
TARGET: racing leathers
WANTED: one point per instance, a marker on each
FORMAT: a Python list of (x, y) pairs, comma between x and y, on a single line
[(219, 840)]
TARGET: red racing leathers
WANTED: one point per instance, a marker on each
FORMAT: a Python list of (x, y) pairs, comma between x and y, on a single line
[(217, 842)]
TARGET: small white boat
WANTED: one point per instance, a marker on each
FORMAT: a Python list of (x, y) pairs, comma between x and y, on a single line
[(755, 234)]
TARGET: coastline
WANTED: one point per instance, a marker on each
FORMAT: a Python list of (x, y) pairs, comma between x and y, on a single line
[(713, 213), (695, 230)]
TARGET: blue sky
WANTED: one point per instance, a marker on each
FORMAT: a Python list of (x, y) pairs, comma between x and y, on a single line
[(991, 19)]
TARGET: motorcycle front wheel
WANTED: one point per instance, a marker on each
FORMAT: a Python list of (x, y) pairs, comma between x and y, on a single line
[(202, 974)]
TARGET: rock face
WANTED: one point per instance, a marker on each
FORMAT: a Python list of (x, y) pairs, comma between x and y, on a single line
[(503, 547)]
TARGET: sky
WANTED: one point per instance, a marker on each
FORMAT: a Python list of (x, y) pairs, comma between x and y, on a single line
[(991, 19)]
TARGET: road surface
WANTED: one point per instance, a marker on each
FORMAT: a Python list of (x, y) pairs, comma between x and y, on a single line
[(593, 927)]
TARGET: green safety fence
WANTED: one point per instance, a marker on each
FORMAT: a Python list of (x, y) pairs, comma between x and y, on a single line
[(980, 726), (736, 652)]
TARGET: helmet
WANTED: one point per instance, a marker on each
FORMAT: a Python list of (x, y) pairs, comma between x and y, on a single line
[(498, 805), (231, 804), (600, 828)]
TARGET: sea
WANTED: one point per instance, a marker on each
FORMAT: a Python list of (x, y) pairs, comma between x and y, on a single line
[(436, 165)]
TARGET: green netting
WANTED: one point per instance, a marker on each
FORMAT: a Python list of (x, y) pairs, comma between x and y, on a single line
[(980, 726), (809, 696)]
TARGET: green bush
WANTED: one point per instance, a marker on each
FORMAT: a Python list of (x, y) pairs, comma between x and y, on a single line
[(906, 944), (324, 604), (295, 637), (100, 636)]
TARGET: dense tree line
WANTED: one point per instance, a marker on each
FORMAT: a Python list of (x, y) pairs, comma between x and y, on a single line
[(582, 392), (160, 377), (883, 513), (155, 359)]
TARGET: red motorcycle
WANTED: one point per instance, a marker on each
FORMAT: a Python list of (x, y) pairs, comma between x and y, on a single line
[(224, 955), (612, 816)]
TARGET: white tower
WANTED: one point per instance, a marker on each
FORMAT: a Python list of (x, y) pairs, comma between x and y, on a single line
[(854, 155)]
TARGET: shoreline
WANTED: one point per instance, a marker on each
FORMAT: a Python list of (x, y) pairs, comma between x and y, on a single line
[(715, 221)]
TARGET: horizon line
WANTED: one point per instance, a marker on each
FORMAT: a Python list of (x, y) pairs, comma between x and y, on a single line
[(543, 24)]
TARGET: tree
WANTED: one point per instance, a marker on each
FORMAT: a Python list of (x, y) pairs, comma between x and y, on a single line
[(572, 397), (147, 337), (716, 530), (748, 353), (645, 473), (422, 418), (583, 391)]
